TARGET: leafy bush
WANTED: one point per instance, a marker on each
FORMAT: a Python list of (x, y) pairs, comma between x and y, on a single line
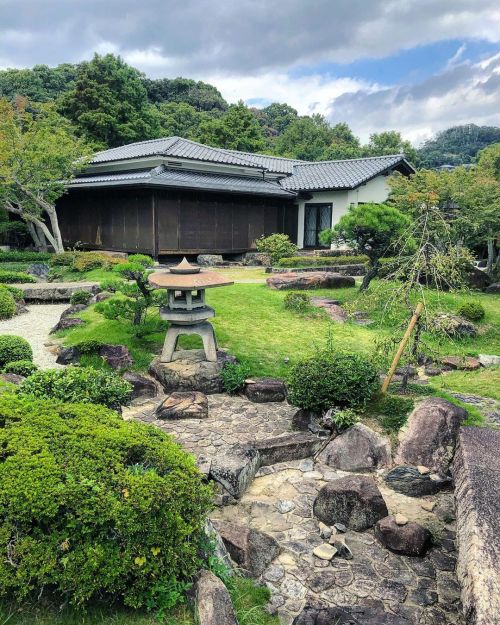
[(25, 257), (80, 297), (75, 384), (64, 259), (86, 261), (20, 367), (320, 261), (115, 509), (142, 259), (332, 379), (89, 346), (472, 311), (16, 293), (277, 246), (298, 302), (8, 277), (14, 348), (233, 377), (7, 304), (343, 419)]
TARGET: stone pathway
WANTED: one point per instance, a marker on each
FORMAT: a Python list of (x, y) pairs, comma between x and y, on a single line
[(490, 408), (419, 591), (35, 326), (230, 420)]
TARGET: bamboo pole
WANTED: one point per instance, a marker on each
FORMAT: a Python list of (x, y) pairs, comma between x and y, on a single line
[(402, 345)]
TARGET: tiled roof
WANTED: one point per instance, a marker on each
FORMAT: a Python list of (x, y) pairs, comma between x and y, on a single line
[(165, 177), (176, 147), (274, 164), (346, 174)]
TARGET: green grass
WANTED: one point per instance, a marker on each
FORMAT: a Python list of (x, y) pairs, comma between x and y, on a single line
[(96, 275), (248, 600), (253, 324), (483, 382)]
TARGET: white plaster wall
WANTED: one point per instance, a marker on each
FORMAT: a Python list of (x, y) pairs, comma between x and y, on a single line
[(375, 190)]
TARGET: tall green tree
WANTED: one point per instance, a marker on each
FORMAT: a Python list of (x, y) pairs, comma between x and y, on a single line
[(38, 153), (371, 229), (278, 116), (306, 138), (344, 144), (39, 84), (237, 129), (180, 119), (109, 103), (390, 142), (200, 95)]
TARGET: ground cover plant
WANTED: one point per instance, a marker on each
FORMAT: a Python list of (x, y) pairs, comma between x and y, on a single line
[(10, 277), (115, 507)]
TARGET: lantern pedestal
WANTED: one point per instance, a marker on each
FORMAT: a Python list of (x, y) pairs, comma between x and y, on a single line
[(203, 329)]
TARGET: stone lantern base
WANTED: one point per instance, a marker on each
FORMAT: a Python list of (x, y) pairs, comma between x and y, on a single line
[(203, 329)]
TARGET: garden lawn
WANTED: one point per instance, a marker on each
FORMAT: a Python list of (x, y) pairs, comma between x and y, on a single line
[(253, 324)]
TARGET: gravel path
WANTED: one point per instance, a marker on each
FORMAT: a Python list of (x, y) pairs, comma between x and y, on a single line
[(35, 326)]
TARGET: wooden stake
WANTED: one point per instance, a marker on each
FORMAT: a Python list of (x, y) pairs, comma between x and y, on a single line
[(402, 346)]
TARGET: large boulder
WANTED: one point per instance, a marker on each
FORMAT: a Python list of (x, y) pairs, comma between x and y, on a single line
[(310, 280), (213, 601), (117, 356), (190, 371), (65, 323), (488, 360), (478, 279), (257, 258), (183, 405), (39, 270), (357, 449), (209, 260), (453, 326), (493, 288), (410, 539), (142, 386), (431, 435), (68, 356), (73, 310), (354, 501), (287, 447), (410, 482), (251, 549), (235, 468), (262, 390), (466, 363)]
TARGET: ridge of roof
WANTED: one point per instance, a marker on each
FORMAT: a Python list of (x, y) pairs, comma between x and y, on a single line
[(349, 160)]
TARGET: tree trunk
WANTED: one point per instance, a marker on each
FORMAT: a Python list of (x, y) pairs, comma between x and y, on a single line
[(369, 275), (34, 235), (491, 254), (54, 224), (43, 240)]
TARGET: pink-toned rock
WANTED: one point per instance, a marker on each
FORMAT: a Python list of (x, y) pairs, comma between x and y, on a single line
[(456, 362), (331, 307), (309, 280)]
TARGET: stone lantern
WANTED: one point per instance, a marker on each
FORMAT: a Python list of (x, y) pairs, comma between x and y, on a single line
[(186, 309)]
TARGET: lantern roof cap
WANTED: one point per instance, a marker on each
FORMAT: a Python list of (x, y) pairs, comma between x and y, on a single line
[(188, 277)]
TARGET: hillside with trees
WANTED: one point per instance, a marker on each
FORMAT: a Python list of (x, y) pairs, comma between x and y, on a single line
[(110, 103)]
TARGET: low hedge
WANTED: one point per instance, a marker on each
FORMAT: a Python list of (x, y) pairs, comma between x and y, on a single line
[(85, 385), (93, 506), (321, 261), (7, 304), (20, 367), (8, 277), (14, 348), (24, 257)]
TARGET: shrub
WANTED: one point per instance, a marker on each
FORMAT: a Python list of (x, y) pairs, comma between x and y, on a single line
[(14, 348), (233, 377), (63, 259), (115, 509), (277, 246), (20, 367), (142, 259), (54, 275), (25, 257), (86, 261), (7, 304), (8, 277), (472, 311), (80, 297), (16, 293), (74, 384), (332, 379), (89, 346), (320, 261), (343, 419), (298, 302)]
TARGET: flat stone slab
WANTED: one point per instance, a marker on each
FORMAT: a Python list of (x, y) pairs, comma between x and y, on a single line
[(476, 470), (55, 291), (287, 447), (312, 280), (183, 405)]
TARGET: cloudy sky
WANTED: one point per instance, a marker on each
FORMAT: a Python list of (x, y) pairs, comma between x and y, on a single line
[(414, 65)]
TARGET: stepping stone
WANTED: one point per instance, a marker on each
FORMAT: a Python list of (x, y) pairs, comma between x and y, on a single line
[(183, 405)]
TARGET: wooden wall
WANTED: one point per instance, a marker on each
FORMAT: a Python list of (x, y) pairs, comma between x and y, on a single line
[(171, 221)]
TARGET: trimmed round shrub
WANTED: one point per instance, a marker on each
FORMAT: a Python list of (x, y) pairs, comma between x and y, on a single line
[(298, 302), (78, 384), (89, 346), (80, 297), (332, 379), (63, 259), (142, 259), (94, 506), (7, 304), (17, 294), (8, 277), (14, 348), (277, 246), (472, 311), (20, 367)]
